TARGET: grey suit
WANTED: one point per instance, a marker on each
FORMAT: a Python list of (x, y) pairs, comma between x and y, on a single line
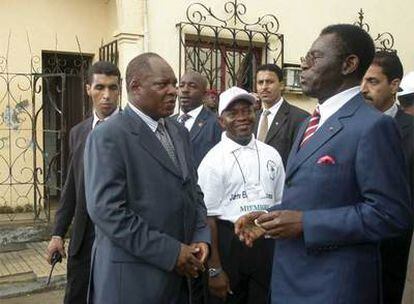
[(283, 129), (143, 209)]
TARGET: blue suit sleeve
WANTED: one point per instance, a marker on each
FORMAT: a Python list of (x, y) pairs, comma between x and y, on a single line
[(384, 210)]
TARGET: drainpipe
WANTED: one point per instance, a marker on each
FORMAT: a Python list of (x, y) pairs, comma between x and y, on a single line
[(146, 30)]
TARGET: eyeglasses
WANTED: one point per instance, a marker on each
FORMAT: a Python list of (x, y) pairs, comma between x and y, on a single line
[(310, 59)]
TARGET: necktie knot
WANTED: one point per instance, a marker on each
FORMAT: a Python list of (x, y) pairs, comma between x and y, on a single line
[(266, 113), (183, 118), (312, 126)]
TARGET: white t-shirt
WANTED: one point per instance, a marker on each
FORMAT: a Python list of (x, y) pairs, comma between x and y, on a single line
[(238, 179)]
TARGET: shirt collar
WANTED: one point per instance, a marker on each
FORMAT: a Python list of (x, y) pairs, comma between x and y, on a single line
[(392, 111), (273, 109), (334, 103), (96, 118), (194, 112), (152, 124), (230, 145)]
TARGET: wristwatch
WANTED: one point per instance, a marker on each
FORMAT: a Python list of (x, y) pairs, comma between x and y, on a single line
[(213, 272)]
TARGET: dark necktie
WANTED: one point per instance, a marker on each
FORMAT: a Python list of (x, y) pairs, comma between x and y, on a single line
[(312, 126), (183, 118), (164, 138)]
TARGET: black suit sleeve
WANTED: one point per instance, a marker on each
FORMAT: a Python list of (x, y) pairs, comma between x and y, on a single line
[(64, 214)]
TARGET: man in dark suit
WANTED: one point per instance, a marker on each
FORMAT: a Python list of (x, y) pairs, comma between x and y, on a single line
[(103, 87), (278, 122), (379, 87), (346, 186), (205, 131), (142, 195)]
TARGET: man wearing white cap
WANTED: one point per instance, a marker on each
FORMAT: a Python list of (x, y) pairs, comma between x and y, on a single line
[(406, 95), (239, 175)]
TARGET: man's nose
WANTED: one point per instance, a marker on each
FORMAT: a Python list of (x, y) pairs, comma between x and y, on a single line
[(364, 88)]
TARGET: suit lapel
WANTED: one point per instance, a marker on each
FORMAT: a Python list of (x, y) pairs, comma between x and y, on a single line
[(178, 145), (199, 123), (278, 121), (149, 141), (404, 122), (329, 129)]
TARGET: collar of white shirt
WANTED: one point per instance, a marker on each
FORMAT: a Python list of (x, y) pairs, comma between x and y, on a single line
[(193, 113), (392, 111), (96, 118), (151, 123), (230, 146), (273, 111), (334, 103)]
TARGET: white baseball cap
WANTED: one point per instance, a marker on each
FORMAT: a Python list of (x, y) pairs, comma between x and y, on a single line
[(407, 84), (232, 94)]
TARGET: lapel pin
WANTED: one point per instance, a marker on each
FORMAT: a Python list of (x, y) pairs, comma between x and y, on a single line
[(200, 124), (277, 123), (331, 128)]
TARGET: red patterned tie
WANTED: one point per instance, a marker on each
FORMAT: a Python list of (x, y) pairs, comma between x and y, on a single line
[(312, 126)]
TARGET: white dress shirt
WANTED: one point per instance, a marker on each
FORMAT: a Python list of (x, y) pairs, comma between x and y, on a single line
[(334, 103), (193, 116), (151, 123), (273, 111), (392, 111), (96, 118), (238, 179)]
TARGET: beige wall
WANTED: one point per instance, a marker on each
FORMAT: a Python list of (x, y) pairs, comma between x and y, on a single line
[(46, 20), (300, 22)]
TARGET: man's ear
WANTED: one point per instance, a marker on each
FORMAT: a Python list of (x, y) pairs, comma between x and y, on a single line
[(88, 89), (134, 85), (395, 85), (350, 64), (221, 122)]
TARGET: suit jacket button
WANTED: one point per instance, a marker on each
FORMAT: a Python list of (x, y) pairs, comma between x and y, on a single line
[(288, 183)]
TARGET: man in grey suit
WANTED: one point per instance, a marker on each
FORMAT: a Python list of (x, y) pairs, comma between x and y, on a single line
[(142, 195)]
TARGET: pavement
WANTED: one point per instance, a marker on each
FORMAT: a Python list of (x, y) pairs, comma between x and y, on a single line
[(24, 269)]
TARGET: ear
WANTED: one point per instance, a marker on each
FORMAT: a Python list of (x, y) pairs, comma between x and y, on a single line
[(395, 85), (88, 89), (134, 85), (350, 64), (221, 122)]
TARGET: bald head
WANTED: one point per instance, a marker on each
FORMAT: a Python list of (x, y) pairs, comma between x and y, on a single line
[(140, 65), (192, 89)]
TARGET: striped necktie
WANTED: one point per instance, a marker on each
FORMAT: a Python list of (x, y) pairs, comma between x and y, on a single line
[(312, 126)]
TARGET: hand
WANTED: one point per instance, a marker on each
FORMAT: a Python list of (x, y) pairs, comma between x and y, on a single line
[(282, 224), (247, 230), (55, 244), (187, 263), (202, 252), (220, 285)]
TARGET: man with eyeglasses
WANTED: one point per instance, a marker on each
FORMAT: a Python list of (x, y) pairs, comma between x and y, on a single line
[(346, 187), (239, 175)]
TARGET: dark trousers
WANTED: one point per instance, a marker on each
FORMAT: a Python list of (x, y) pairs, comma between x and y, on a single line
[(78, 268), (394, 259), (249, 269)]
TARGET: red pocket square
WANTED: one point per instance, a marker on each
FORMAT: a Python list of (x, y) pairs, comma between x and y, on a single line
[(326, 160)]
